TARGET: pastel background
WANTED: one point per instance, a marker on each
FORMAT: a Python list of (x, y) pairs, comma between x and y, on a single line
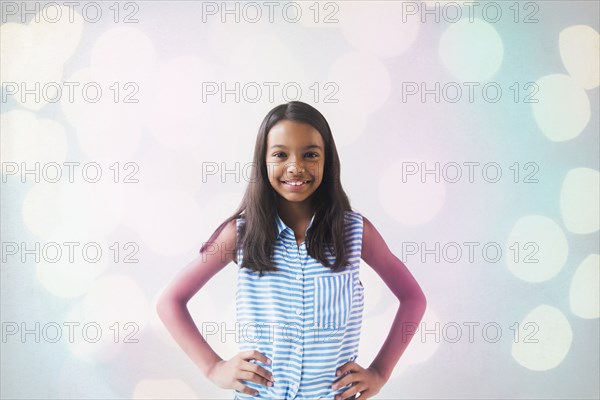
[(541, 134)]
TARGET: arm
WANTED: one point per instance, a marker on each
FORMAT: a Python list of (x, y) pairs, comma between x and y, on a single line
[(400, 281), (412, 307), (172, 303), (172, 309)]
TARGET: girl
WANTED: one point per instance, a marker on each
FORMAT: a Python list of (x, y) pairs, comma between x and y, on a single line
[(298, 245)]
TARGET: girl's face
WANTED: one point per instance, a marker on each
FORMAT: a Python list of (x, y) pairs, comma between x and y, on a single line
[(295, 153)]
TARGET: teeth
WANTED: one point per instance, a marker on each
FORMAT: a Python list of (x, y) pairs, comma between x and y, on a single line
[(296, 183)]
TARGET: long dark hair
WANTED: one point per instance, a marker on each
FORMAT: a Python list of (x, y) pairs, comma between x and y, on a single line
[(259, 204)]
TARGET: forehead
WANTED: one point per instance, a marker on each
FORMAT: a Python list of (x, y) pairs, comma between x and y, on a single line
[(292, 133)]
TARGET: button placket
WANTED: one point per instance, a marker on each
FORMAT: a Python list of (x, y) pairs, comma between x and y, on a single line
[(296, 287), (300, 280), (300, 285), (297, 282)]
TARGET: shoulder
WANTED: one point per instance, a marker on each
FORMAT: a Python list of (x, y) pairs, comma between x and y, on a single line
[(372, 239), (368, 228), (227, 239), (229, 232)]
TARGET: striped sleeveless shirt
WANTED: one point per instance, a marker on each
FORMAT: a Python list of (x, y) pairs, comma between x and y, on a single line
[(304, 317)]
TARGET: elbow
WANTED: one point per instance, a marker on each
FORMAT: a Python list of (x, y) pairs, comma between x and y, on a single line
[(165, 305), (421, 300), (423, 303), (161, 306), (416, 300)]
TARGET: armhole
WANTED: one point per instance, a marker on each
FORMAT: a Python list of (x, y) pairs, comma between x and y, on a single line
[(361, 234), (237, 244), (355, 219)]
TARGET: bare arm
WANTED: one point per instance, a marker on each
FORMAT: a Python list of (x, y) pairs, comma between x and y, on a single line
[(369, 381), (400, 281), (172, 303), (172, 309)]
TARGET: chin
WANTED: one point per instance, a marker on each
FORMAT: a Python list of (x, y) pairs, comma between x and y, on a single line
[(295, 198)]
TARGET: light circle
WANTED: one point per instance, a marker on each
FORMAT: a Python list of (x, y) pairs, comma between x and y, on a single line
[(580, 200), (584, 292), (536, 249), (545, 342), (580, 52), (472, 51), (562, 108), (409, 198)]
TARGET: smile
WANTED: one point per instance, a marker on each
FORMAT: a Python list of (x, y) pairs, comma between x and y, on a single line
[(295, 183)]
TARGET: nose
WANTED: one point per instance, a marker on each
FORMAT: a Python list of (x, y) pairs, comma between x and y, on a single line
[(295, 168)]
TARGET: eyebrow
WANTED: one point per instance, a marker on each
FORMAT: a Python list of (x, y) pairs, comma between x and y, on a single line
[(310, 146)]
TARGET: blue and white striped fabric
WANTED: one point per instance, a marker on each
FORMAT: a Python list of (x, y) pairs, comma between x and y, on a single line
[(304, 317)]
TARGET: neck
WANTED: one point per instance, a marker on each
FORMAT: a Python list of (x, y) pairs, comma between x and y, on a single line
[(293, 213)]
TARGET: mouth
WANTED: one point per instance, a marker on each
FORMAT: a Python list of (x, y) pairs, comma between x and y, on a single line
[(296, 183)]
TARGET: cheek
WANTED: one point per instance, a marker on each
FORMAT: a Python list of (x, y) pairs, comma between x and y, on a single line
[(274, 171), (320, 171)]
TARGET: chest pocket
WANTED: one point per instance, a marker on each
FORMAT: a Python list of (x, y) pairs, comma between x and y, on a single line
[(333, 300)]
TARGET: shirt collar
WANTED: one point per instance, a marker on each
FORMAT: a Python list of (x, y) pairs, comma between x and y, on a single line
[(281, 226)]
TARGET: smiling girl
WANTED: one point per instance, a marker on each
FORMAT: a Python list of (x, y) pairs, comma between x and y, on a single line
[(299, 298)]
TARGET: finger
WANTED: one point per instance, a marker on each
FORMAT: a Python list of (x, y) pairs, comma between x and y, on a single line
[(244, 389), (354, 389), (251, 376), (349, 366), (256, 355), (346, 380), (344, 395), (258, 370)]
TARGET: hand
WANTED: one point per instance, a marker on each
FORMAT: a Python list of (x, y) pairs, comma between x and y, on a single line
[(229, 374), (366, 381)]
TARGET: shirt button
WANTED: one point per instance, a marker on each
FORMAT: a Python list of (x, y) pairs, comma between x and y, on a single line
[(298, 311), (298, 277)]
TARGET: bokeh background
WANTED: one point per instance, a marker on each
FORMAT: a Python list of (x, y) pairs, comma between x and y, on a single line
[(172, 134)]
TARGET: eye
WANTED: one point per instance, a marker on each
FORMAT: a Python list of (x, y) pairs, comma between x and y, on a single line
[(312, 155), (277, 154)]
